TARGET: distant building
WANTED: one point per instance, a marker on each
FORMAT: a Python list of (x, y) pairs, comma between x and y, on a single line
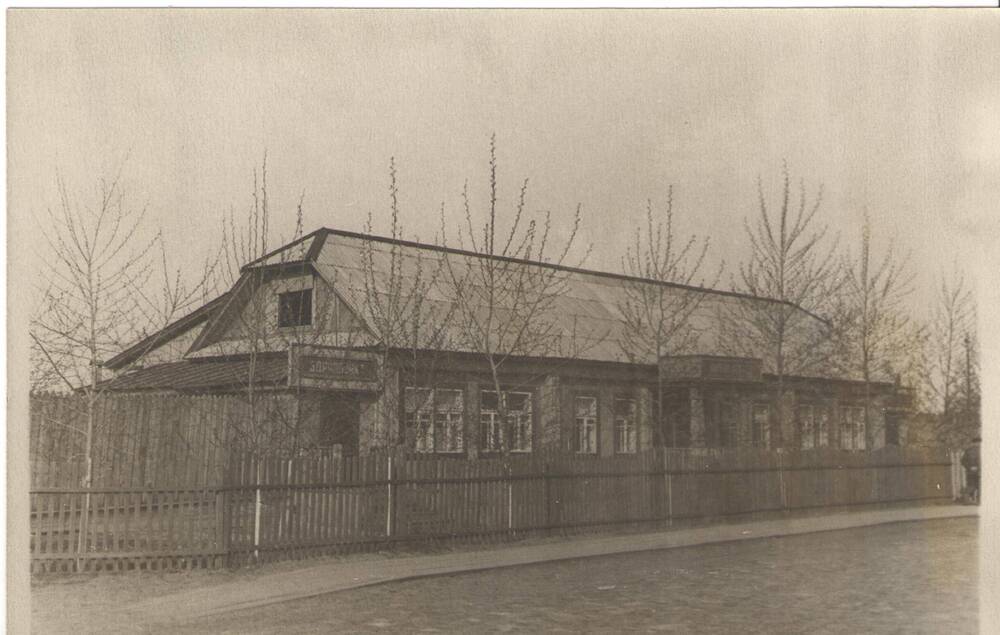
[(300, 322)]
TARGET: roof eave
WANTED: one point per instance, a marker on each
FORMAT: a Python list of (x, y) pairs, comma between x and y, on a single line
[(164, 335)]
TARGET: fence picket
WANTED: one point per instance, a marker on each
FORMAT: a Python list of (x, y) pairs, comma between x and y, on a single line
[(313, 505)]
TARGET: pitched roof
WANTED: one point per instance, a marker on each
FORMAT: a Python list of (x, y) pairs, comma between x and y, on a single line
[(586, 317)]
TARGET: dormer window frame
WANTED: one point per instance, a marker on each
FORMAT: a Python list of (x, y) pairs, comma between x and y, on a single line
[(284, 296)]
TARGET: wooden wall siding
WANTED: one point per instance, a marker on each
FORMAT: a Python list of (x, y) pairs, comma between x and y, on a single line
[(139, 440), (277, 509)]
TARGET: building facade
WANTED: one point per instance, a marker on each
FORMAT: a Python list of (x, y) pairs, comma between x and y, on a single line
[(309, 322)]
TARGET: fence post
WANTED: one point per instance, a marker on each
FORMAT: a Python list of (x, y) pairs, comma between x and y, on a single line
[(670, 490), (781, 481), (222, 523), (289, 503), (389, 500), (256, 512), (957, 474), (548, 498), (510, 498)]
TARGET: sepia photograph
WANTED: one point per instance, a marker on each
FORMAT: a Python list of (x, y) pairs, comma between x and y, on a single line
[(502, 320)]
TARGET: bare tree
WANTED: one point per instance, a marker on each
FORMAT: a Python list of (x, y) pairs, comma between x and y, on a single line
[(952, 375), (269, 423), (878, 328), (96, 297), (791, 264), (97, 258), (657, 318), (407, 326), (503, 306)]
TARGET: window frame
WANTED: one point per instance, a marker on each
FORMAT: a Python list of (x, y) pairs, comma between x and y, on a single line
[(282, 313), (628, 424), (807, 425), (760, 435), (729, 427), (492, 433), (819, 426), (854, 428), (594, 448), (435, 413)]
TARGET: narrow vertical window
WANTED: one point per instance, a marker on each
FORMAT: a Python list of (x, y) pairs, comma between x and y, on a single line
[(806, 427), (847, 428), (852, 431), (728, 424), (821, 419), (519, 416), (449, 420), (860, 432), (625, 425), (761, 424), (586, 425), (489, 421)]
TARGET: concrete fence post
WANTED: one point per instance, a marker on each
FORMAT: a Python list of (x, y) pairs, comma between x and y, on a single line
[(781, 482), (510, 500), (256, 514), (389, 500)]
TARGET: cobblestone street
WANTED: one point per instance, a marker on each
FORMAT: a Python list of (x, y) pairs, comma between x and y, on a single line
[(915, 577)]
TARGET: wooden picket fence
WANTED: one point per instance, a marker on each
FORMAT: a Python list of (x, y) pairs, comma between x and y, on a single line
[(76, 530), (276, 509)]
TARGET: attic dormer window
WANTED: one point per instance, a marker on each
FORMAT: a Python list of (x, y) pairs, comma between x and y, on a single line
[(295, 308)]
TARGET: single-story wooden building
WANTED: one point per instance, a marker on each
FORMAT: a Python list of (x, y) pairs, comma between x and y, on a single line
[(303, 322)]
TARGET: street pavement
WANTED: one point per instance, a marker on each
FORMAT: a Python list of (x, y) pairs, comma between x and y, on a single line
[(270, 588)]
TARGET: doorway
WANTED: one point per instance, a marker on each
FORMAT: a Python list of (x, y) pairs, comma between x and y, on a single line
[(340, 417)]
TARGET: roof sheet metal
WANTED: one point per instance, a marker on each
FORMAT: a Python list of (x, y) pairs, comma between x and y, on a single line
[(585, 320), (586, 317), (202, 374)]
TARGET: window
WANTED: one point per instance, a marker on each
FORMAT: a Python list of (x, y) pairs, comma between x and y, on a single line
[(437, 418), (761, 425), (852, 429), (807, 432), (728, 424), (814, 426), (586, 425), (625, 441), (821, 421), (295, 308), (518, 407)]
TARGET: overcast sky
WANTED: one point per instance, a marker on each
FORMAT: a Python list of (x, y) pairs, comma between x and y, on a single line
[(895, 111)]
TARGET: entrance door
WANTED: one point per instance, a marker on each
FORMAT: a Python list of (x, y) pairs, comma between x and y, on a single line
[(341, 417)]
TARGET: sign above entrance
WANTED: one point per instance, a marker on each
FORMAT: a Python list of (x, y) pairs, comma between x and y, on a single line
[(687, 368), (329, 368)]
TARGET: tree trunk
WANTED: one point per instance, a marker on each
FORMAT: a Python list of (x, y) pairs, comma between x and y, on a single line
[(88, 477)]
